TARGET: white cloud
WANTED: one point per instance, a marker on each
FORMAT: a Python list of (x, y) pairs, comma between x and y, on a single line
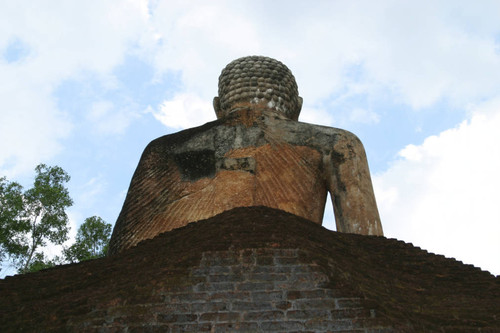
[(108, 119), (60, 41), (200, 40), (90, 191), (316, 116), (422, 52), (443, 195), (360, 115), (31, 127), (184, 111)]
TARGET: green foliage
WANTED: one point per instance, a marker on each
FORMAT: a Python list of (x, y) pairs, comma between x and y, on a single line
[(32, 219), (11, 225), (92, 240), (40, 262)]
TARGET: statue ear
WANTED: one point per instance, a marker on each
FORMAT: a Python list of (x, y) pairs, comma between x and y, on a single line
[(218, 111)]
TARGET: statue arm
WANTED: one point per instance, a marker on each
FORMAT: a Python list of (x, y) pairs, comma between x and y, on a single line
[(350, 186)]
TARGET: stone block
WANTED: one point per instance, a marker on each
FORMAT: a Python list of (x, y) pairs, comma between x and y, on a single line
[(255, 286), (249, 306), (219, 316), (342, 303), (273, 296), (282, 326), (308, 314), (306, 304), (264, 315), (176, 317)]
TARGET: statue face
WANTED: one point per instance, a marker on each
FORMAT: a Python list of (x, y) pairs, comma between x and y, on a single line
[(258, 80)]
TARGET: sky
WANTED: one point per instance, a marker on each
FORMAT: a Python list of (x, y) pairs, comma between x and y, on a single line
[(85, 85)]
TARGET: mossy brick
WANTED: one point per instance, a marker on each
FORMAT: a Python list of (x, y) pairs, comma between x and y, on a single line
[(265, 260), (142, 298), (230, 296), (330, 325), (248, 259), (170, 307), (273, 296), (282, 305), (264, 315), (248, 252), (306, 304), (285, 261), (224, 278), (194, 327), (308, 314), (237, 327), (210, 306), (220, 316), (95, 321), (342, 303), (188, 296), (267, 277), (249, 306), (282, 326), (306, 294), (273, 269), (290, 253), (351, 313), (176, 317), (208, 270), (317, 277), (219, 258), (301, 269), (172, 286), (147, 329), (296, 284), (241, 270), (215, 286), (255, 286)]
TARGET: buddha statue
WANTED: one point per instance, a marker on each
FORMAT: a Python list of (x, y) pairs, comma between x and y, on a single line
[(256, 153)]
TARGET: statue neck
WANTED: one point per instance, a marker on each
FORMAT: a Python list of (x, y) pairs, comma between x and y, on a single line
[(252, 113)]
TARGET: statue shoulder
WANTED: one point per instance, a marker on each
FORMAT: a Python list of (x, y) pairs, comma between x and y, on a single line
[(325, 136), (171, 142)]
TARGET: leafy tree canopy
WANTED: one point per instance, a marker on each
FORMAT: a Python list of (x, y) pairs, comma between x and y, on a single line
[(31, 219), (11, 224), (92, 240)]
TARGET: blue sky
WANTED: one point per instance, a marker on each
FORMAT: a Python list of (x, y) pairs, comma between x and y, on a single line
[(86, 85)]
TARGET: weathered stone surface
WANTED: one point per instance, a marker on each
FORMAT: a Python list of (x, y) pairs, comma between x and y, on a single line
[(255, 154), (256, 269)]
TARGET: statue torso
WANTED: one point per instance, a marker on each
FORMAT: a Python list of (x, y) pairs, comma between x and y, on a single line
[(199, 173)]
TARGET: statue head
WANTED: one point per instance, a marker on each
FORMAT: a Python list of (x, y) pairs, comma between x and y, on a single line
[(257, 80)]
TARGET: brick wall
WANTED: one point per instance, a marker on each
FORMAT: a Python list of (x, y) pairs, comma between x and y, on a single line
[(265, 289), (257, 268)]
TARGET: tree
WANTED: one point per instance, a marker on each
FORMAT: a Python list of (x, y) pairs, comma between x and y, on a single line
[(92, 240), (11, 225), (39, 218), (40, 262)]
